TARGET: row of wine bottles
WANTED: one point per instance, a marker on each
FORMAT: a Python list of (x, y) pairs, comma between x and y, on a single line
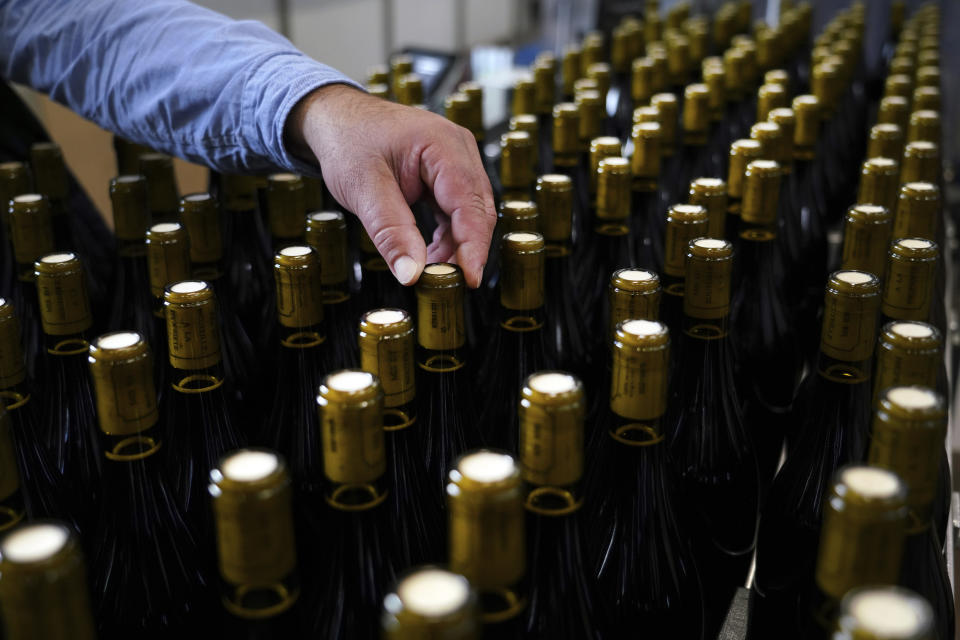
[(653, 409)]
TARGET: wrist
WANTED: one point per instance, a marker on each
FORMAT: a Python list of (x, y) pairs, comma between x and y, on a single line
[(310, 116)]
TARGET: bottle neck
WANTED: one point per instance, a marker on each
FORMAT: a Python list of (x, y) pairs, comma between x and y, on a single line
[(440, 361)]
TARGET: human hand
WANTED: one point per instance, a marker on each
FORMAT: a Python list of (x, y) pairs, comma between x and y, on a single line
[(377, 157)]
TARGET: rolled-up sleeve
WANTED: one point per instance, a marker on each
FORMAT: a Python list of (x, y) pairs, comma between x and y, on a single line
[(165, 73)]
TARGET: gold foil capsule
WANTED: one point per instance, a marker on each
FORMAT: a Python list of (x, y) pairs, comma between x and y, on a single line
[(864, 527), (866, 234), (770, 135), (474, 92), (645, 163), (440, 325), (566, 133), (286, 206), (521, 288), (601, 148), (908, 353), (193, 329), (713, 78), (121, 366), (43, 593), (908, 286), (806, 109), (638, 390), (696, 114), (924, 125), (200, 215), (131, 215), (49, 171), (524, 97), (634, 294), (886, 141), (31, 229), (684, 223), (570, 68), (641, 79), (487, 528), (252, 502), (296, 274), (400, 65), (378, 74), (921, 162), (410, 87), (786, 120), (894, 110), (516, 160), (918, 211), (168, 255), (518, 215), (761, 192), (879, 183), (711, 194), (430, 602), (327, 234), (457, 108), (868, 611), (909, 427), (770, 97), (849, 319), (157, 168), (667, 104), (554, 194), (898, 85), (552, 409), (592, 115), (386, 350), (926, 98), (707, 283), (613, 196), (354, 453), (742, 153), (62, 295)]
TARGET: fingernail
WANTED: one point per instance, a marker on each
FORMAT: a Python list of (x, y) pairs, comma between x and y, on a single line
[(405, 269)]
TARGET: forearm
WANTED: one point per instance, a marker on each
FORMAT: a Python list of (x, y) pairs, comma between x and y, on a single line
[(165, 73)]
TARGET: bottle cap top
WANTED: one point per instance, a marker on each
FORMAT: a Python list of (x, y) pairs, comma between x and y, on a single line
[(637, 280), (887, 613), (430, 593)]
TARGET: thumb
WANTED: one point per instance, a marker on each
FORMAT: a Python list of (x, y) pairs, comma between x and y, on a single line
[(385, 215)]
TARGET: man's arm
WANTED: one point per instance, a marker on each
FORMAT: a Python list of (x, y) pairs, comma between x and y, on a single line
[(166, 73)]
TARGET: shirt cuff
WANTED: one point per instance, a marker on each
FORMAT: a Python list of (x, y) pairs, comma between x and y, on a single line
[(271, 93)]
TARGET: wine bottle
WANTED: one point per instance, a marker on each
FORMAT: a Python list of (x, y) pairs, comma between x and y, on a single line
[(610, 245), (765, 339), (359, 555), (545, 96), (516, 166), (416, 502), (711, 194), (252, 498), (894, 110), (830, 427), (68, 421), (590, 105), (712, 451), (924, 124), (647, 223), (910, 353), (168, 261), (77, 225), (12, 504), (444, 373), (561, 598), (131, 306), (742, 153), (147, 573), (430, 602), (14, 180), (717, 143), (908, 291), (669, 110), (247, 244), (198, 419), (157, 169), (861, 544), (909, 427), (286, 208), (926, 98), (570, 69), (487, 540), (39, 478), (43, 592), (921, 163), (31, 234), (684, 223), (565, 323), (327, 234), (600, 149), (633, 528), (884, 613), (866, 236), (518, 346), (290, 426), (524, 99)]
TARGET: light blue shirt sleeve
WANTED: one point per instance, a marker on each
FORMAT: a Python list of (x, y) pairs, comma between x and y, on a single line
[(166, 73)]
